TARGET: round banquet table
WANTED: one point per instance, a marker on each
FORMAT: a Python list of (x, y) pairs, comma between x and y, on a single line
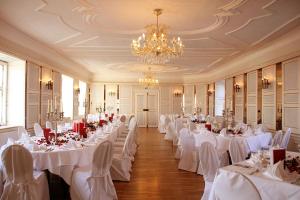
[(62, 161)]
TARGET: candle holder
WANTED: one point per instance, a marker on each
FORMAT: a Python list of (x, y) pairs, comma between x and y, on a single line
[(55, 117), (228, 118)]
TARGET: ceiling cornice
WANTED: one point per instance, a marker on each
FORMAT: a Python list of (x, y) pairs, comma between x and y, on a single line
[(17, 43)]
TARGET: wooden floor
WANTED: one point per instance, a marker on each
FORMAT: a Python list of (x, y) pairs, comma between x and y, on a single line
[(155, 174)]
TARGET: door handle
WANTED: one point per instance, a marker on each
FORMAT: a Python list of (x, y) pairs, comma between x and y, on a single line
[(145, 109)]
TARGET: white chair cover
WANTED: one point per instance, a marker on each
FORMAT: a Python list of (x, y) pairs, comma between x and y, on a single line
[(169, 134), (93, 183), (277, 139), (237, 151), (161, 125), (188, 160), (209, 161), (265, 140), (21, 184), (229, 185), (38, 131), (49, 124), (121, 164), (209, 164), (286, 139), (254, 143)]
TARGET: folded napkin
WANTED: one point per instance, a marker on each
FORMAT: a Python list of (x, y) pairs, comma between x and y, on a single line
[(276, 171), (223, 132), (259, 131), (248, 132), (91, 139), (25, 138), (31, 146)]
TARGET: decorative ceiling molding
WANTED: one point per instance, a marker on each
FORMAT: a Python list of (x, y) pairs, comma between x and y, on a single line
[(92, 33), (268, 14)]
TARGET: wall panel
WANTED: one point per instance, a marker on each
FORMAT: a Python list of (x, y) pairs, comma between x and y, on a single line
[(269, 98), (201, 97), (189, 99), (32, 95), (291, 96), (125, 98), (240, 99), (165, 99)]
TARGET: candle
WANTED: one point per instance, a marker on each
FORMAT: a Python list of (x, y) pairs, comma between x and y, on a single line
[(231, 105), (51, 106)]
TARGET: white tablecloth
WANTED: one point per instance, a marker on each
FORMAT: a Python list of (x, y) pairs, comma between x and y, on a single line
[(222, 142), (61, 161), (268, 188)]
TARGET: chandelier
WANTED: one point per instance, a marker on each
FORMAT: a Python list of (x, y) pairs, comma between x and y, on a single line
[(148, 80), (154, 47)]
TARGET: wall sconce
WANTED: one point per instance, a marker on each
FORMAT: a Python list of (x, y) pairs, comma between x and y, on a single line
[(265, 83), (49, 85), (77, 91), (177, 94), (209, 93), (237, 88), (111, 93)]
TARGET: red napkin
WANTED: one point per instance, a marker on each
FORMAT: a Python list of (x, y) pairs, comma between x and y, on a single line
[(102, 122), (208, 127), (110, 119)]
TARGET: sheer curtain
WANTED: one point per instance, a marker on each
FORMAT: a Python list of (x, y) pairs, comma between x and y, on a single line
[(67, 89), (219, 97)]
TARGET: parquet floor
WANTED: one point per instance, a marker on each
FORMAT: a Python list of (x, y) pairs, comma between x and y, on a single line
[(155, 174)]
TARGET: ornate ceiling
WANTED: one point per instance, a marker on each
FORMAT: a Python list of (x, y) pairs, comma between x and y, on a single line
[(97, 33)]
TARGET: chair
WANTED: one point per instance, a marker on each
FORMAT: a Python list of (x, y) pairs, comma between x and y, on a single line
[(182, 133), (49, 124), (237, 151), (121, 164), (21, 181), (188, 160), (277, 138), (231, 185), (286, 138), (169, 135), (161, 125), (95, 182), (171, 131), (38, 131), (209, 163)]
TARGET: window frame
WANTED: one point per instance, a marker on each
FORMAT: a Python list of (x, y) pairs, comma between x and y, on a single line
[(3, 91)]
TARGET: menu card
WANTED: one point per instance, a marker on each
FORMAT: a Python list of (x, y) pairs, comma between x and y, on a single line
[(277, 154)]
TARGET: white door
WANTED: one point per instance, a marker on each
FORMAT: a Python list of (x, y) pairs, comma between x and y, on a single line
[(152, 113), (140, 106), (146, 108)]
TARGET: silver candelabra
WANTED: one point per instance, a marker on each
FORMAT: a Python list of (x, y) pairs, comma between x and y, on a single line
[(55, 117), (228, 118)]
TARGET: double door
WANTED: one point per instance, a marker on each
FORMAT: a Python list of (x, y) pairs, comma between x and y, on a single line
[(146, 109)]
